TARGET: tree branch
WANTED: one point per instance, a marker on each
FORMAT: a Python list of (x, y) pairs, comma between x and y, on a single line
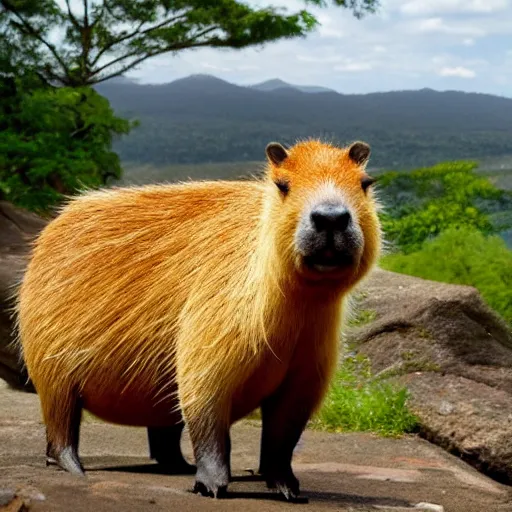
[(109, 10), (74, 21), (86, 13), (86, 36), (99, 17), (9, 7), (135, 33), (109, 46), (154, 53)]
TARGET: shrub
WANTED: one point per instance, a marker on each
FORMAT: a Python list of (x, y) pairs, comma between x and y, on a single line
[(463, 256)]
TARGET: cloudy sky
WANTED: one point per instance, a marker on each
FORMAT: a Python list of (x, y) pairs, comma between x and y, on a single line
[(409, 44)]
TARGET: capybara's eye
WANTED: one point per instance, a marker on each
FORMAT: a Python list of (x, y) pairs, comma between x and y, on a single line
[(283, 186), (367, 182)]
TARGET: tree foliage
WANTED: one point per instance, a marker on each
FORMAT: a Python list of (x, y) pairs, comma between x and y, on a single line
[(466, 256), (442, 220), (99, 39), (54, 142), (421, 204), (56, 132)]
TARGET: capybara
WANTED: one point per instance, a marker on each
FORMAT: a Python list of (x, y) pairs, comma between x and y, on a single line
[(196, 303)]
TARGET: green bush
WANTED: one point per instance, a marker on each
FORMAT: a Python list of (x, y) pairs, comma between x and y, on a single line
[(54, 142), (356, 402), (463, 256), (421, 204)]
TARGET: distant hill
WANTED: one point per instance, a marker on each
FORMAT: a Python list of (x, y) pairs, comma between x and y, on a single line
[(273, 85), (202, 119)]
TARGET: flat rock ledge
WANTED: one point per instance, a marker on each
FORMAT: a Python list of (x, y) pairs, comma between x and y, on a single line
[(453, 354)]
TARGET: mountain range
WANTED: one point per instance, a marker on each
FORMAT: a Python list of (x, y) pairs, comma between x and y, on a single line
[(276, 83), (202, 119)]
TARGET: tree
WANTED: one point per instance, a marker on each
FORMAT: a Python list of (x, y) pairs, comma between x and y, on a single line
[(421, 204), (55, 142), (101, 39)]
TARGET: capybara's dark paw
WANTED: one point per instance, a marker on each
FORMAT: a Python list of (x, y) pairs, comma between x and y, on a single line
[(210, 490), (287, 485), (212, 482)]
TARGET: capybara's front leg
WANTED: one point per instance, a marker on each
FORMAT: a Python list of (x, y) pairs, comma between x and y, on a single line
[(285, 415), (212, 446), (281, 431)]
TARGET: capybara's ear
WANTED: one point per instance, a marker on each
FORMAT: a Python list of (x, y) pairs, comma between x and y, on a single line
[(359, 152), (276, 153)]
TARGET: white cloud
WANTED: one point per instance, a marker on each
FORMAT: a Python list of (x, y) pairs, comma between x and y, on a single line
[(213, 67), (387, 51), (318, 59), (458, 71), (422, 7), (438, 25), (247, 67), (353, 67)]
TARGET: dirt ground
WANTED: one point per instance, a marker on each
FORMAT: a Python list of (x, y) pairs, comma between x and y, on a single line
[(349, 472)]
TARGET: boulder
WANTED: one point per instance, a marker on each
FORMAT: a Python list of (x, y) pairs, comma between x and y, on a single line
[(452, 352), (17, 229)]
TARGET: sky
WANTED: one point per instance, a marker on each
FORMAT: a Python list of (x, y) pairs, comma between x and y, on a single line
[(408, 44)]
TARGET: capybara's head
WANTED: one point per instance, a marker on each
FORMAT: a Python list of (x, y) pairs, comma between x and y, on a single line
[(324, 209)]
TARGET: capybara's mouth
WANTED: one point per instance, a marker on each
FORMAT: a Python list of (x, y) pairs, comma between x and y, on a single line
[(329, 261)]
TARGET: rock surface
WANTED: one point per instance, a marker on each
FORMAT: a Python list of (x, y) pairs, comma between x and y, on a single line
[(17, 227), (353, 472), (455, 356)]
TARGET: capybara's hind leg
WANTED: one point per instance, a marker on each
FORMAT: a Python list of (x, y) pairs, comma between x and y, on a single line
[(62, 415), (165, 448)]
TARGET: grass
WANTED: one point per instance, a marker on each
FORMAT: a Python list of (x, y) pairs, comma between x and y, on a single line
[(358, 402), (362, 317)]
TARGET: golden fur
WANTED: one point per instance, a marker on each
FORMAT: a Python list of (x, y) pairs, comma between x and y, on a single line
[(159, 300)]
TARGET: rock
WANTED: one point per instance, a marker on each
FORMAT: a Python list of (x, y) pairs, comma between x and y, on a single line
[(6, 497), (453, 353), (17, 228), (421, 325), (475, 430), (446, 408), (430, 507), (12, 502)]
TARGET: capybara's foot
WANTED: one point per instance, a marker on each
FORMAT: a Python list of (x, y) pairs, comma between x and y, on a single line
[(210, 490), (286, 484), (67, 459), (212, 483)]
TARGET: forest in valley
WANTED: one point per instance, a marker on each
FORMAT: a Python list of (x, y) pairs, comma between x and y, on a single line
[(202, 119)]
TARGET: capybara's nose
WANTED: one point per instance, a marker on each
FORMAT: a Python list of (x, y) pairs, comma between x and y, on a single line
[(329, 217)]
